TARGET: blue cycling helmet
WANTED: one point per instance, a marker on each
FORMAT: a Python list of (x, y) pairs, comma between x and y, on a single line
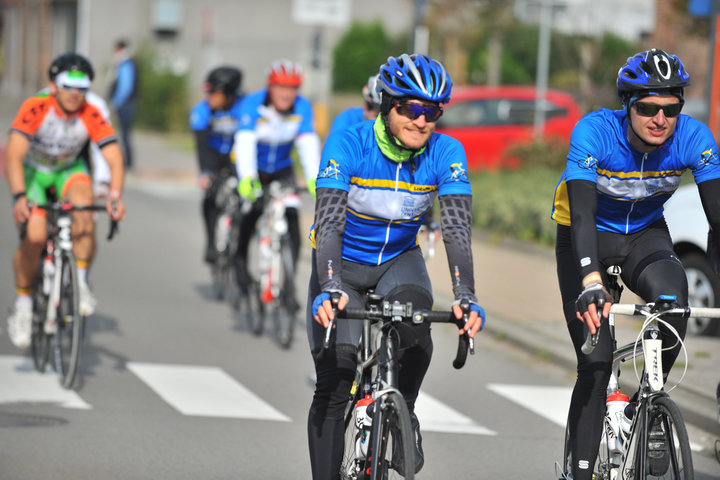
[(652, 71), (415, 76)]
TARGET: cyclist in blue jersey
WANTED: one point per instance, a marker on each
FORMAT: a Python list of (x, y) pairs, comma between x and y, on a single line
[(275, 121), (621, 168), (214, 121), (378, 180), (368, 111)]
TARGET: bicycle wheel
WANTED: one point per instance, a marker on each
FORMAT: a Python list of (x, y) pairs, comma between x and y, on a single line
[(392, 440), (221, 277), (285, 308), (252, 308), (69, 323), (566, 467), (39, 341), (668, 455)]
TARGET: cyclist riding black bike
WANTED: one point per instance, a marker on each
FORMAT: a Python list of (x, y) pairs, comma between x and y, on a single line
[(622, 167), (214, 122), (378, 180), (48, 140)]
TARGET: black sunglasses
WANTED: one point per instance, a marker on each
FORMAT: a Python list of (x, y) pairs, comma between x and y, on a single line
[(68, 88), (646, 109), (415, 110)]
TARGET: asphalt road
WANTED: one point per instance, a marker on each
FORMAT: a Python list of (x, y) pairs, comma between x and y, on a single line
[(172, 386)]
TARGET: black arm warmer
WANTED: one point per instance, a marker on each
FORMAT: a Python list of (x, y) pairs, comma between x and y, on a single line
[(456, 223), (206, 160), (582, 196), (330, 211), (710, 198)]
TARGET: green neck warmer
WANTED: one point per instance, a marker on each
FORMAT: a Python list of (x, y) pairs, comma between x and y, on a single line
[(388, 148)]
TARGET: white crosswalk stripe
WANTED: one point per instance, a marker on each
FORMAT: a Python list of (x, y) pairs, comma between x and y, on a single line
[(436, 416), (22, 384), (204, 391), (210, 392), (551, 403)]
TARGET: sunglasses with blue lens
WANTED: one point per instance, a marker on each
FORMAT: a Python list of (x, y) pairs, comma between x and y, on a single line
[(646, 109), (415, 110), (68, 88)]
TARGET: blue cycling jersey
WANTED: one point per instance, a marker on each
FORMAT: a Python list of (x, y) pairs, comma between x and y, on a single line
[(275, 132), (348, 117), (221, 124), (388, 200), (632, 186)]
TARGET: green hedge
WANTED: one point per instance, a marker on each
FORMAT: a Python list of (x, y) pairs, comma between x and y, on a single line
[(163, 95), (516, 203)]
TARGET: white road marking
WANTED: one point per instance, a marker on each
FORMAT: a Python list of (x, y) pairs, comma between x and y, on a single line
[(551, 403), (435, 416), (21, 383), (204, 391)]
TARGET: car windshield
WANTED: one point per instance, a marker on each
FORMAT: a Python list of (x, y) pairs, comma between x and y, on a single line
[(488, 112)]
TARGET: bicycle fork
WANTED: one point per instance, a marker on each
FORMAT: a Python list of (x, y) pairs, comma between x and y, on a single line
[(64, 244)]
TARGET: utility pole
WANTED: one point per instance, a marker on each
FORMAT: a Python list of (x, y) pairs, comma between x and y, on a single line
[(421, 35), (541, 79)]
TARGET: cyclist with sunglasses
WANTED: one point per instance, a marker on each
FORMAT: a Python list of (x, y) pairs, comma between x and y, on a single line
[(378, 179), (623, 165), (46, 150)]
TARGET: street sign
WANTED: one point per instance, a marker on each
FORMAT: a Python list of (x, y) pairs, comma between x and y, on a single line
[(335, 13)]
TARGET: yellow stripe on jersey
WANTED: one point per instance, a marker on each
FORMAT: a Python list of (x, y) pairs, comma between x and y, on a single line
[(392, 184), (646, 174), (561, 205)]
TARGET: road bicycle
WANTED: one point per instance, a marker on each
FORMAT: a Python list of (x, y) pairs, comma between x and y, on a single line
[(57, 324), (227, 234), (379, 437), (271, 293), (645, 438)]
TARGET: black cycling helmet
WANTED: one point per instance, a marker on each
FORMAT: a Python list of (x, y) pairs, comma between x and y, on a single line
[(652, 71), (69, 62), (224, 79)]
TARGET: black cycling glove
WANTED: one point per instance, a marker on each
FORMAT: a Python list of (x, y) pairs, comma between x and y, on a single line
[(595, 293)]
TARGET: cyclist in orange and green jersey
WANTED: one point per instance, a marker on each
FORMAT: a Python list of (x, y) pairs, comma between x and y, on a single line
[(45, 150)]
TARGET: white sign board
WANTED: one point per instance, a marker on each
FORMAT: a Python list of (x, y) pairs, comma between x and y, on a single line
[(334, 13)]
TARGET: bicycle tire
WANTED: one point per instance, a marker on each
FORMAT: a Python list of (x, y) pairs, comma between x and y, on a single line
[(40, 342), (252, 308), (676, 464), (392, 436), (284, 308), (69, 323)]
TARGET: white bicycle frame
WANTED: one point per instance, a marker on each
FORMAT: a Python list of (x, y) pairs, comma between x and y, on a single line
[(64, 222)]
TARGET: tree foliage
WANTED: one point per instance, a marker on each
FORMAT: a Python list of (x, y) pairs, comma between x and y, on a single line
[(360, 53), (163, 106)]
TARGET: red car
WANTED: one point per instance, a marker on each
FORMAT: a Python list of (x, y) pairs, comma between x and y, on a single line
[(490, 120)]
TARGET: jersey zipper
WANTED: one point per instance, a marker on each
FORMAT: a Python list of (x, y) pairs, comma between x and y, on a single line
[(632, 204), (387, 230)]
